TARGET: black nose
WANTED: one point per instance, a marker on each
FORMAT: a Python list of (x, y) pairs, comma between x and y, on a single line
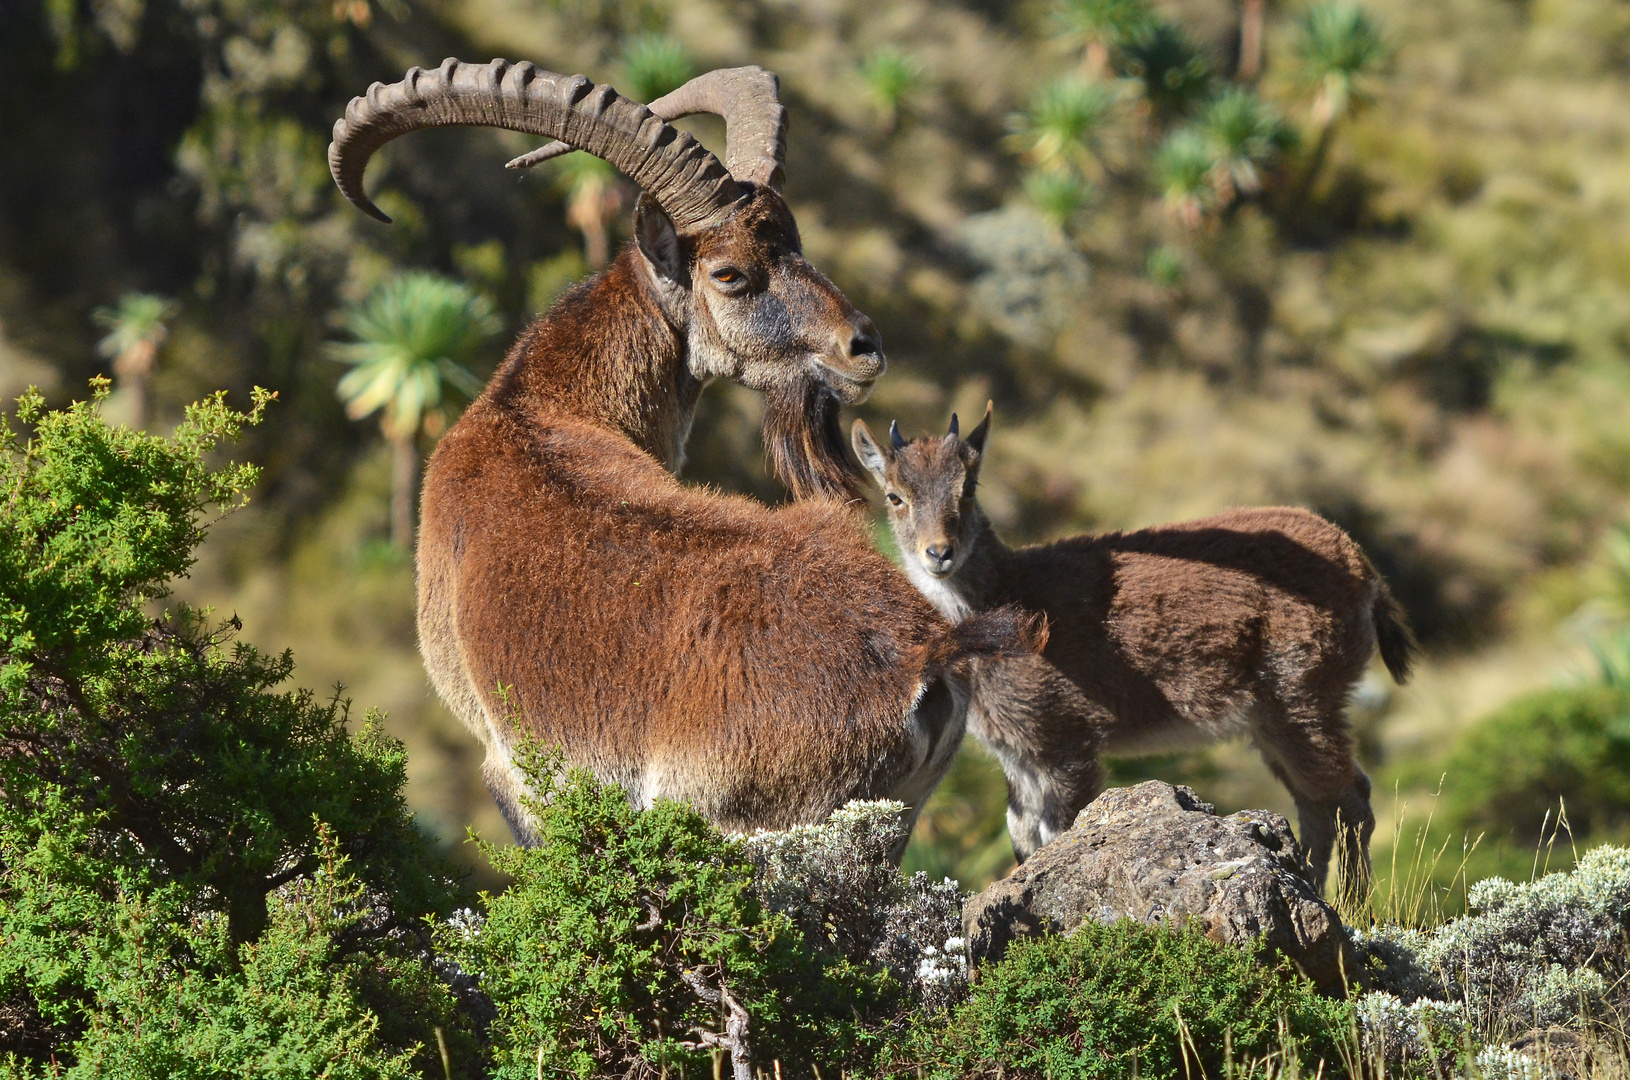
[(867, 341), (940, 553)]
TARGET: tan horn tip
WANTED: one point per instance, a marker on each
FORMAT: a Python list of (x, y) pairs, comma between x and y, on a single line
[(547, 152)]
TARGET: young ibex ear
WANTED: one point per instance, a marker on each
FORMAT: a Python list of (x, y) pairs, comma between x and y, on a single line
[(972, 453), (871, 455), (658, 240), (976, 437)]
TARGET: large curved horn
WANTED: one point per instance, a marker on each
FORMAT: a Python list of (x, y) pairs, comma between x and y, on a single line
[(755, 122), (687, 181)]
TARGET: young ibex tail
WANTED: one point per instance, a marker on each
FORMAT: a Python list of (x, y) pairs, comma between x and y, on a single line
[(1256, 622)]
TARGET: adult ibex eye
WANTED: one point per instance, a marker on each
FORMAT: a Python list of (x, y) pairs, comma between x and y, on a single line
[(895, 500), (727, 275)]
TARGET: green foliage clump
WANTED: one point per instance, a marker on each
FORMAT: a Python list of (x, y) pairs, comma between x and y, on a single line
[(1064, 124), (1103, 24), (1508, 771), (179, 841), (1530, 955), (1341, 47), (632, 941), (654, 65), (1059, 196), (1182, 170), (293, 1003), (1123, 999), (413, 334), (1243, 134), (890, 76), (1173, 73)]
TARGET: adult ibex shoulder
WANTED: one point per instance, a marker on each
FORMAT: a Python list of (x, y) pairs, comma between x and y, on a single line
[(1256, 622), (763, 664)]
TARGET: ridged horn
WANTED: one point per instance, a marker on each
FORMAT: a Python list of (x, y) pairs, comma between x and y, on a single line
[(755, 122), (687, 181)]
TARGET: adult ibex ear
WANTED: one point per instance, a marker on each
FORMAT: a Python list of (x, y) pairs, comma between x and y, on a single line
[(871, 455), (659, 241)]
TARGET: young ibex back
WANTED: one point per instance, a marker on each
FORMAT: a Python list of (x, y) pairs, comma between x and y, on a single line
[(1255, 622), (764, 665)]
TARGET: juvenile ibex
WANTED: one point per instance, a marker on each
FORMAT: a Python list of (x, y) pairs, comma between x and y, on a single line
[(764, 665), (1253, 622)]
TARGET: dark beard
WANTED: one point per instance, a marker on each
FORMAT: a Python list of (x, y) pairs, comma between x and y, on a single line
[(804, 437)]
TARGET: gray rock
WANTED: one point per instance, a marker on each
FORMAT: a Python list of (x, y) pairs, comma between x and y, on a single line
[(1157, 854)]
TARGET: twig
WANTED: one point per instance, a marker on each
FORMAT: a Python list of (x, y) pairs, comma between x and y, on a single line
[(446, 1063), (737, 1037)]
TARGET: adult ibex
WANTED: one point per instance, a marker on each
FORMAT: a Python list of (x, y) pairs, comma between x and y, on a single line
[(1256, 622), (764, 665)]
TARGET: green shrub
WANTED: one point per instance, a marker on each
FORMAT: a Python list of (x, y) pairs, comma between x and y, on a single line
[(1508, 772), (1531, 956), (183, 848), (291, 1004), (1123, 999), (626, 934)]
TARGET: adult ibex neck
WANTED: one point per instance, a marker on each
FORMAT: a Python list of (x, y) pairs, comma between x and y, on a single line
[(606, 353)]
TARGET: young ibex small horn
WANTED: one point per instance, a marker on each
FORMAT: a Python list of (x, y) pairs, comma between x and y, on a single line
[(1256, 622)]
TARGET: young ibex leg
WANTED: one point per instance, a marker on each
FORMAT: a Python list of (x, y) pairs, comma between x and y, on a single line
[(1044, 798), (1315, 762), (1340, 828), (1047, 737), (1355, 824)]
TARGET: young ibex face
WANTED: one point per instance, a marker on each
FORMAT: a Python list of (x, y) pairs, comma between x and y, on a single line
[(753, 308), (928, 486)]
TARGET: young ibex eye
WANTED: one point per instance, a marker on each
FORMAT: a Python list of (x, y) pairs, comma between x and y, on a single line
[(895, 500), (727, 275)]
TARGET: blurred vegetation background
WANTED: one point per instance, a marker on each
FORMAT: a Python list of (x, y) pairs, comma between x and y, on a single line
[(1371, 260)]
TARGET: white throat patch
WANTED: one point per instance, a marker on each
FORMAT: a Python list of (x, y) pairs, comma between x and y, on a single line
[(939, 591)]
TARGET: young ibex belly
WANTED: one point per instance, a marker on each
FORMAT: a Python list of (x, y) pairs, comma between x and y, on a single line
[(1255, 622)]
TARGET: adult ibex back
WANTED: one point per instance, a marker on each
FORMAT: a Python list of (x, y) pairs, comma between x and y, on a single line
[(763, 664), (1256, 622)]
